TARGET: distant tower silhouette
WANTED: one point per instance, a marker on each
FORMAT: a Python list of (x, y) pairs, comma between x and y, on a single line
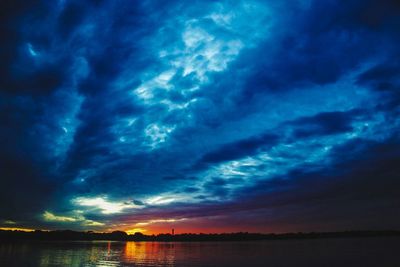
[(173, 231)]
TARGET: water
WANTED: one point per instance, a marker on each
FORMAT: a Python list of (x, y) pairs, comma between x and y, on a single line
[(364, 252)]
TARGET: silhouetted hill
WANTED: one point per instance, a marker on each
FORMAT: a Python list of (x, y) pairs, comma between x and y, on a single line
[(67, 235)]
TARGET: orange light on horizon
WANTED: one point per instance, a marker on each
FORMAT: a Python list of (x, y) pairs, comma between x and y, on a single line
[(135, 230), (181, 225)]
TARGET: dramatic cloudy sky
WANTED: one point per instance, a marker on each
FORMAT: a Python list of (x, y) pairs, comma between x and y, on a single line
[(203, 116)]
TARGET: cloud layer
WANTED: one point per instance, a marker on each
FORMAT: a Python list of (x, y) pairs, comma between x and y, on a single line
[(209, 116)]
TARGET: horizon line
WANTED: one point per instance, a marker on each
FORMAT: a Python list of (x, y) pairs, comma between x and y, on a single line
[(28, 230)]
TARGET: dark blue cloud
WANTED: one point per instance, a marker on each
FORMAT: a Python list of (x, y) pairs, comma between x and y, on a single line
[(325, 123), (240, 148), (383, 79)]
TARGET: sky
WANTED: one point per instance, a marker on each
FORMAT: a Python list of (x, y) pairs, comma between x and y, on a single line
[(203, 116)]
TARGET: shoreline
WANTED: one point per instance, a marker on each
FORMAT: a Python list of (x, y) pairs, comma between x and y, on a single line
[(68, 235)]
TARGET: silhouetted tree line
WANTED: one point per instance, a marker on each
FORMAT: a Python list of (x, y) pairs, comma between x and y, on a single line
[(122, 236)]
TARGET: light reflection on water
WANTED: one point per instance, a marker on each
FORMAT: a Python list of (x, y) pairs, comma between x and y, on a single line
[(143, 253), (333, 252)]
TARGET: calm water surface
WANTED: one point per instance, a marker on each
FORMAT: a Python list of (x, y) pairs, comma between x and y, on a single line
[(322, 252)]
